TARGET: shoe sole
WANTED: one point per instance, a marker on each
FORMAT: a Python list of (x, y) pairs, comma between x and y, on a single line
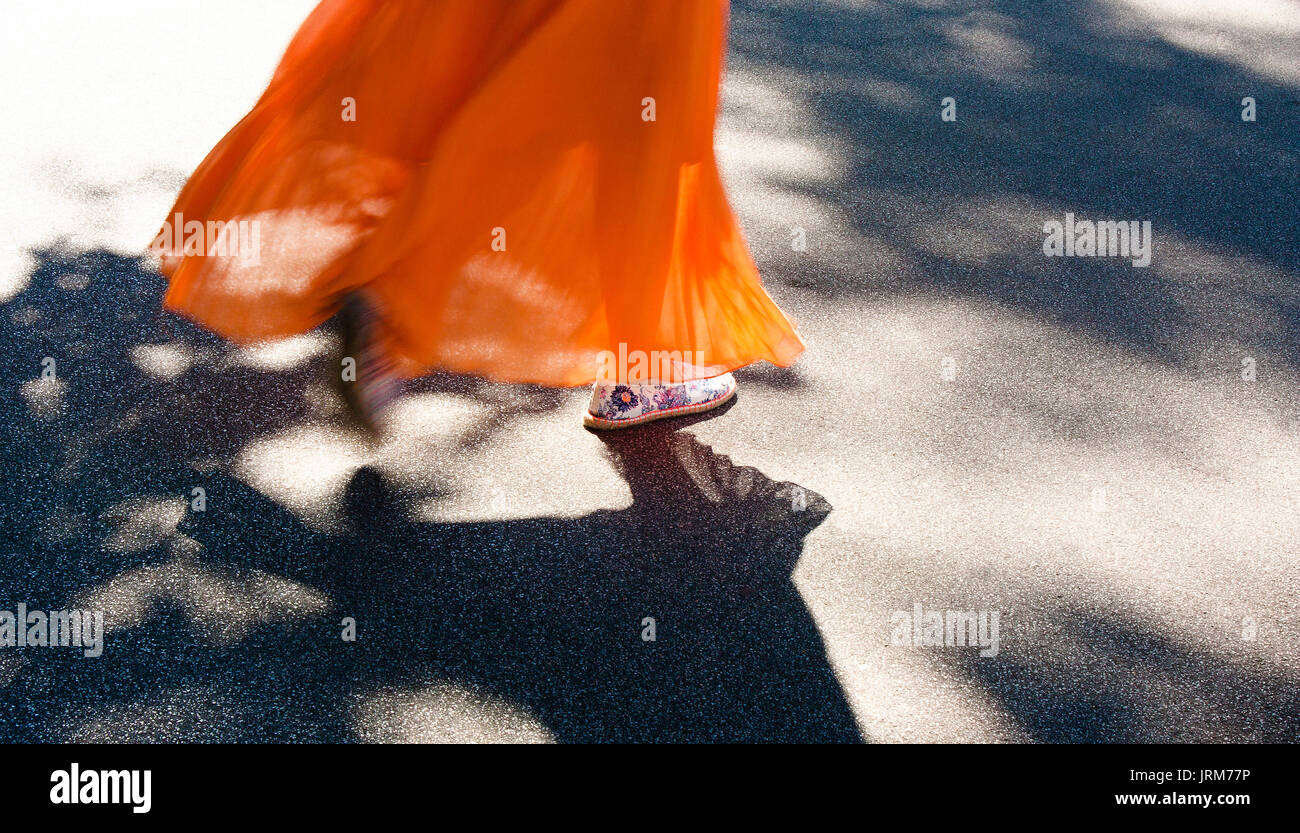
[(592, 421)]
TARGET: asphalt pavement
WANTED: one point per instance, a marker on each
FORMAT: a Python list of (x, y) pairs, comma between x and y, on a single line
[(1106, 457)]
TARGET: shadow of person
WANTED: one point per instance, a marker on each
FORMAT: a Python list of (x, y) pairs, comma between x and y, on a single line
[(673, 620)]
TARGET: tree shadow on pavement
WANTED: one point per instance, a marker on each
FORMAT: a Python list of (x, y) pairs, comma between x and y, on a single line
[(1111, 679), (1061, 107)]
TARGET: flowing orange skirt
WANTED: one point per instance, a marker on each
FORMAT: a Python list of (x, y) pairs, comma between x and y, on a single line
[(518, 185)]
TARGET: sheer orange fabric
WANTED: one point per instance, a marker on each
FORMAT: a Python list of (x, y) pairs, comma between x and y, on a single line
[(517, 184)]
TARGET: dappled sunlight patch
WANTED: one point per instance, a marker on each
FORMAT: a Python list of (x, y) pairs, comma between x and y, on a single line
[(541, 465), (222, 605), (792, 150), (749, 93), (987, 44), (73, 281), (284, 354), (888, 92), (760, 155), (431, 417), (1076, 660), (25, 315), (72, 207), (1212, 301), (44, 397), (1259, 36), (304, 468), (163, 361), (15, 271), (443, 713), (423, 452), (185, 715), (140, 524), (976, 230), (900, 696)]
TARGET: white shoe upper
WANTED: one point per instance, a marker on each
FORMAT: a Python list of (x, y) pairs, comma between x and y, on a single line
[(632, 402)]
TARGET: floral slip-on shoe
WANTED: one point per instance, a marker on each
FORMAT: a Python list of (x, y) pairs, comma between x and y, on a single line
[(622, 406)]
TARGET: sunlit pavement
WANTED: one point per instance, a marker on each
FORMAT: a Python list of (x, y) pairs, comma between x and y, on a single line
[(1107, 457)]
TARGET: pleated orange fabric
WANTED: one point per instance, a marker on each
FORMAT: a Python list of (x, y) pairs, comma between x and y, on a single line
[(518, 185)]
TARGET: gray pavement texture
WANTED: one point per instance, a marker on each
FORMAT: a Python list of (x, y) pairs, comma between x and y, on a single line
[(1107, 456)]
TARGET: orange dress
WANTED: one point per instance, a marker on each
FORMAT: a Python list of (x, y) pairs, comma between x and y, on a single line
[(517, 185)]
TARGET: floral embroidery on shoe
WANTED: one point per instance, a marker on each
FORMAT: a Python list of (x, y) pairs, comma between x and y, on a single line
[(671, 396), (624, 399)]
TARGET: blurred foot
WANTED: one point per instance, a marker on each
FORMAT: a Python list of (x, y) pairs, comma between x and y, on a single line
[(622, 406), (369, 383)]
